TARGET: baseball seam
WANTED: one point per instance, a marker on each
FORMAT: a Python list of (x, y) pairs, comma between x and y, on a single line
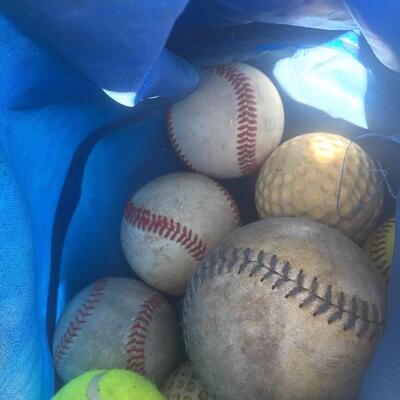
[(135, 347), (167, 228), (377, 251), (174, 141), (229, 198), (347, 309), (246, 116), (79, 319)]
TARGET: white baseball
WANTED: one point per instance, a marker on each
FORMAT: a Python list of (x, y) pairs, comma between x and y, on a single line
[(171, 223), (116, 323), (230, 124)]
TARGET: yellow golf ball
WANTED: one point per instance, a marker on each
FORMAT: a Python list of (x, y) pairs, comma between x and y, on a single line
[(379, 247), (323, 177)]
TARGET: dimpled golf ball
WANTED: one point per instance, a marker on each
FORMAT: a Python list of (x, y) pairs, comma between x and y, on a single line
[(185, 384), (323, 177)]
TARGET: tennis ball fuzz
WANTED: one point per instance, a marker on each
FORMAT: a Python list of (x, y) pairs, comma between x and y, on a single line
[(109, 385)]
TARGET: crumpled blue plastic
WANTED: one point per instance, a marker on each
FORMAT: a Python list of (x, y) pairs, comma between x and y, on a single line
[(70, 155)]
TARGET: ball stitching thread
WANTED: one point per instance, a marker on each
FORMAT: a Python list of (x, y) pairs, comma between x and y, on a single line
[(138, 331), (167, 228), (229, 198), (79, 319), (232, 204), (246, 116), (174, 141), (378, 251), (225, 260)]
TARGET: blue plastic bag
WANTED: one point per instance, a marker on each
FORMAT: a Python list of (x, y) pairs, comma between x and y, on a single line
[(70, 155)]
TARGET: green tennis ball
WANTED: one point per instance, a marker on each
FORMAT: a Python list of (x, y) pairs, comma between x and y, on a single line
[(109, 385)]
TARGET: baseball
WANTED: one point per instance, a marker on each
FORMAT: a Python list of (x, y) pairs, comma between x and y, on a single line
[(171, 223), (379, 247), (116, 323), (322, 177), (230, 124), (184, 384), (284, 309)]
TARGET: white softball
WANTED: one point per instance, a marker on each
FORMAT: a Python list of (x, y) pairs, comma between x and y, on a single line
[(171, 223), (284, 309), (230, 124), (117, 323)]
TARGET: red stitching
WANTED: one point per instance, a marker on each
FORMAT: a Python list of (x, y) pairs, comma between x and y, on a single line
[(79, 319), (246, 119), (135, 348), (229, 198), (174, 140), (166, 227)]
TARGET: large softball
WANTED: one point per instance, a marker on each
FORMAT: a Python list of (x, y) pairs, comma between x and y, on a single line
[(284, 309), (325, 178)]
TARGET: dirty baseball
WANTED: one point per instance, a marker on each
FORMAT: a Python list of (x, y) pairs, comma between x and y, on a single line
[(171, 223), (116, 323), (230, 124)]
